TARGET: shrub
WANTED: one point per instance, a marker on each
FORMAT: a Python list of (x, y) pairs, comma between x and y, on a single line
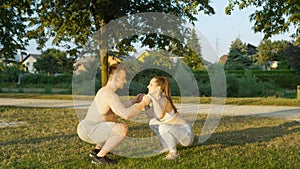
[(10, 74)]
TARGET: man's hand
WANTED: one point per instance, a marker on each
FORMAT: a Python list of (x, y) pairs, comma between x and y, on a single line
[(138, 98)]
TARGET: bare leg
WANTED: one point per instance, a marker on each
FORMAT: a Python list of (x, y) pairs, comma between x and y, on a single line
[(98, 146), (118, 133)]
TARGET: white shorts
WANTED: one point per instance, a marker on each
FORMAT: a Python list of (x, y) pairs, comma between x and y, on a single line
[(94, 132)]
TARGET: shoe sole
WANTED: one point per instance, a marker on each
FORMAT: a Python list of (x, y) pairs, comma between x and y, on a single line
[(93, 162)]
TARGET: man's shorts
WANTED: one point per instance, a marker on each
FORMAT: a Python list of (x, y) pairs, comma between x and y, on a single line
[(94, 132)]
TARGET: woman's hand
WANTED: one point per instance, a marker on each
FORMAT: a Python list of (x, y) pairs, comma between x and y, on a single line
[(146, 100)]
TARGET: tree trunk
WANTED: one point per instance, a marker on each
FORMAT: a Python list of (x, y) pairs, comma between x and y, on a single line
[(102, 44), (103, 54)]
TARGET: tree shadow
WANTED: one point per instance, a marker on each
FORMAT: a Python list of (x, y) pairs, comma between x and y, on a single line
[(286, 114), (250, 135), (37, 140)]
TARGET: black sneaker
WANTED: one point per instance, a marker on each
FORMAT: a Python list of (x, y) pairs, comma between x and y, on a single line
[(103, 160), (94, 153)]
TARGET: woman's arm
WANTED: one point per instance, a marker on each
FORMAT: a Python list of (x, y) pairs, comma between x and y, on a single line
[(149, 111), (159, 106)]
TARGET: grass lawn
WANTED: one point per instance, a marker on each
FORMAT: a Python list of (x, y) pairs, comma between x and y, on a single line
[(46, 138)]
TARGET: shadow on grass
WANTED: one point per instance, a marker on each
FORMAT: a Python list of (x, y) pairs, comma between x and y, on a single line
[(287, 114), (251, 135), (37, 140)]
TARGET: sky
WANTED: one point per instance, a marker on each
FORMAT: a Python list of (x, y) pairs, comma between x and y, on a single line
[(219, 29)]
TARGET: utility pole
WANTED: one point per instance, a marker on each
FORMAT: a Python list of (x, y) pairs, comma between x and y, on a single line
[(217, 45)]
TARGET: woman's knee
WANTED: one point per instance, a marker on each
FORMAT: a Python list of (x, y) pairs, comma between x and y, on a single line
[(121, 129), (163, 128)]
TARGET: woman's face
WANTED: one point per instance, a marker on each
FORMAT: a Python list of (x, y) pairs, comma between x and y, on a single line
[(152, 87)]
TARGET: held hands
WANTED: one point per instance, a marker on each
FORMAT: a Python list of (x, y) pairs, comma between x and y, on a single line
[(146, 100), (138, 98)]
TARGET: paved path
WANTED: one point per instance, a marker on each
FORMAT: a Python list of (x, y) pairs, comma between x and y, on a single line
[(286, 112)]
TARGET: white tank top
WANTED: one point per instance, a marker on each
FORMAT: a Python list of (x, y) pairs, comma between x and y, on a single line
[(169, 116)]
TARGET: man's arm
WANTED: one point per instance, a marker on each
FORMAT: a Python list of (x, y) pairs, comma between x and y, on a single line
[(124, 112), (137, 99)]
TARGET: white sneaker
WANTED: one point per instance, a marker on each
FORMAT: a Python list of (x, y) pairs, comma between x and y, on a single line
[(172, 156)]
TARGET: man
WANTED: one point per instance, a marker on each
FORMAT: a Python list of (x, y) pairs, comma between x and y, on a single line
[(100, 126)]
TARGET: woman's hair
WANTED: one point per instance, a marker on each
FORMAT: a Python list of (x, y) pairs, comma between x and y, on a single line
[(163, 82)]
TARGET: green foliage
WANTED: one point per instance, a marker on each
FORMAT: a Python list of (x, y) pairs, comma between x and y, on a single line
[(271, 17), (232, 86), (53, 61), (238, 58), (10, 74), (84, 18), (292, 53), (13, 26), (47, 89), (46, 79), (193, 54), (158, 59), (271, 51)]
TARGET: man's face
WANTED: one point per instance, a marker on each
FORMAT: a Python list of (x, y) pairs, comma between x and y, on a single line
[(121, 79)]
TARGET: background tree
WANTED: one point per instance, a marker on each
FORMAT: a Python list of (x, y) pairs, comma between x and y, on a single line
[(10, 73), (54, 61), (264, 52), (193, 53), (76, 21), (13, 26), (271, 51), (292, 53), (272, 17), (159, 59), (238, 56)]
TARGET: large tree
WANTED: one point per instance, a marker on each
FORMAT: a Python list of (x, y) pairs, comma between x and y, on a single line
[(272, 17), (75, 21), (13, 14)]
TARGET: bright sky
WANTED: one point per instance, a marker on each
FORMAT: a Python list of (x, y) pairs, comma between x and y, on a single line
[(220, 29)]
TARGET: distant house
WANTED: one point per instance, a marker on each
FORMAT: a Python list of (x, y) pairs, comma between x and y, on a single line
[(83, 63), (141, 56), (28, 62), (223, 59), (252, 50)]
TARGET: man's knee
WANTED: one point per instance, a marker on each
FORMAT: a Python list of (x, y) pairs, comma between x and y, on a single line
[(120, 128)]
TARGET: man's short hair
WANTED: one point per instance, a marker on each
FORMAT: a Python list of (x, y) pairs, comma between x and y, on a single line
[(114, 68)]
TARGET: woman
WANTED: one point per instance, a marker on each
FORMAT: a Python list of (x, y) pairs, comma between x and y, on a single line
[(167, 123)]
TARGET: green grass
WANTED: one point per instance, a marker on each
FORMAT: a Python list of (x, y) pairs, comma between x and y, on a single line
[(203, 100), (47, 138)]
